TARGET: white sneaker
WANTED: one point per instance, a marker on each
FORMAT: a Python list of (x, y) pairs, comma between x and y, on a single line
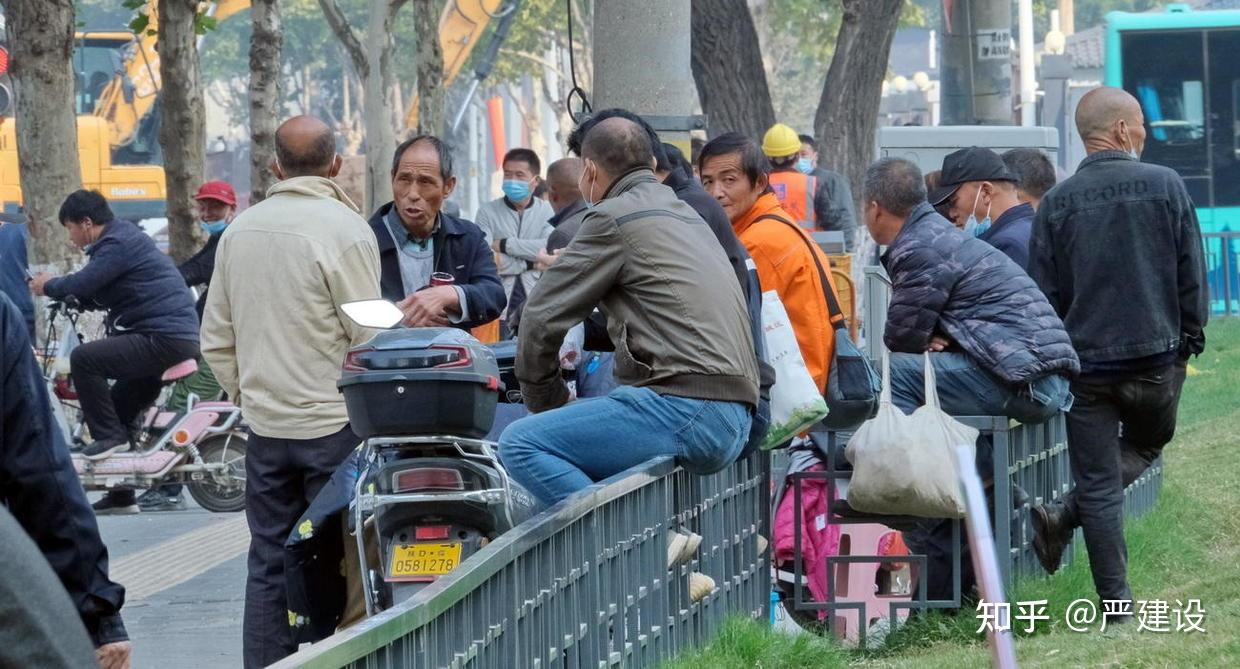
[(681, 546), (700, 585)]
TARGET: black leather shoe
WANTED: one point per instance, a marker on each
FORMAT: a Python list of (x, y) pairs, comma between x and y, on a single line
[(1052, 530)]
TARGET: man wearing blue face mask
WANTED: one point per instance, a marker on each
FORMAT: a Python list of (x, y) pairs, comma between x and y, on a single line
[(517, 225), (982, 199), (217, 206)]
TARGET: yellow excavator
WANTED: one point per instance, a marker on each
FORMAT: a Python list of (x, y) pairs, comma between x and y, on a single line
[(117, 97)]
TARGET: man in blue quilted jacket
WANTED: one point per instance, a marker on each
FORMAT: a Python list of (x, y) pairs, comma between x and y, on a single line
[(997, 346)]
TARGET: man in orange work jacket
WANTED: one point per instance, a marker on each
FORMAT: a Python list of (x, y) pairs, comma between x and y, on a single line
[(734, 171), (794, 189)]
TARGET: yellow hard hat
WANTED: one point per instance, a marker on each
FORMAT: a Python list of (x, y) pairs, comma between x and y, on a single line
[(780, 141)]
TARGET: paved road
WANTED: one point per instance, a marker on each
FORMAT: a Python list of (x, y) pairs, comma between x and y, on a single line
[(184, 575)]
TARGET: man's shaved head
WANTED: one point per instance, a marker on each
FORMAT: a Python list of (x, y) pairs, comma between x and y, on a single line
[(1100, 109), (305, 146), (564, 173), (617, 145)]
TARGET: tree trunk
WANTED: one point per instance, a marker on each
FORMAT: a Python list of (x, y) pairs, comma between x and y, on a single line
[(372, 62), (378, 118), (40, 34), (430, 68), (727, 68), (266, 43), (182, 130), (847, 115)]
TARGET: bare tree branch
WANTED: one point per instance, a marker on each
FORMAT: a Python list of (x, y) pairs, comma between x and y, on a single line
[(537, 60), (347, 36)]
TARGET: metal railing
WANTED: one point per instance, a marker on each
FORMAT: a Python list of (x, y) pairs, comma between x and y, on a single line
[(1222, 250), (584, 583)]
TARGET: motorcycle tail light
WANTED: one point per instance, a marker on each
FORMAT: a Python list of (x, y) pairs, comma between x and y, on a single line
[(355, 361), (431, 532), (427, 478), (462, 353)]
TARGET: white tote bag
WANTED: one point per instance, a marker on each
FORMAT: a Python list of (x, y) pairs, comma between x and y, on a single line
[(796, 403), (905, 465)]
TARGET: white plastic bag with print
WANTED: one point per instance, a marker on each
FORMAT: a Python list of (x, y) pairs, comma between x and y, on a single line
[(905, 465), (796, 403)]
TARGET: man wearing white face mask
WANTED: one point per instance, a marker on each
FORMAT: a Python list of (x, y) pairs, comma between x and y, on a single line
[(1117, 250), (983, 201)]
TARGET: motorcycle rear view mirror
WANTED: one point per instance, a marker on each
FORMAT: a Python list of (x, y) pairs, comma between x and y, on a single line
[(379, 314)]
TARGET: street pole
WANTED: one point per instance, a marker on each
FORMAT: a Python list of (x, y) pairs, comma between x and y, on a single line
[(977, 63), (1028, 87), (641, 63)]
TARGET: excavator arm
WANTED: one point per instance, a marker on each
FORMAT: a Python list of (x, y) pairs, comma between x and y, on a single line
[(133, 91)]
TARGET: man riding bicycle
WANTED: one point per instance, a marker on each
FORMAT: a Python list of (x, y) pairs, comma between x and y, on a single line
[(151, 325)]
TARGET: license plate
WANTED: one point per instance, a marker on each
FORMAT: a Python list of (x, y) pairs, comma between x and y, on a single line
[(424, 559)]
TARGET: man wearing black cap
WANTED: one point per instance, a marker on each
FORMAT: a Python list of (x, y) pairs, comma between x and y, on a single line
[(980, 193)]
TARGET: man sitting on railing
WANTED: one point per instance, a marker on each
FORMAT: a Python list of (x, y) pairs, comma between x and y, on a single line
[(997, 347), (684, 352)]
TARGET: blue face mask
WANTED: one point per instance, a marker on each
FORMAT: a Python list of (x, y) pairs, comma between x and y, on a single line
[(214, 227), (516, 190), (971, 226), (805, 165)]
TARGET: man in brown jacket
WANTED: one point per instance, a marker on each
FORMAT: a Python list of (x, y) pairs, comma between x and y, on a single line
[(684, 352)]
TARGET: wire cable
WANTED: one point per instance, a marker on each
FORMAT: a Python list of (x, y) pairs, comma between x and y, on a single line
[(572, 69)]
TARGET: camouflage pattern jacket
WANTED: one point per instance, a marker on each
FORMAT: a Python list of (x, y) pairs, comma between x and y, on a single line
[(965, 289)]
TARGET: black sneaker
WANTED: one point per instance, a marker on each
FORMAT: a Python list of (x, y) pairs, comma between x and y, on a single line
[(105, 447), (1052, 531), (115, 505), (156, 500)]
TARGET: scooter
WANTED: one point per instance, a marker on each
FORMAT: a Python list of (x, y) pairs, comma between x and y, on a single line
[(203, 446), (431, 490)]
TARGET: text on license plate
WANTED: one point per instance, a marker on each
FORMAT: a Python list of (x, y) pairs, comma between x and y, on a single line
[(424, 559)]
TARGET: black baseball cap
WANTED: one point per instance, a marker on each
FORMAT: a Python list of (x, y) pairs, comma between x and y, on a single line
[(972, 164)]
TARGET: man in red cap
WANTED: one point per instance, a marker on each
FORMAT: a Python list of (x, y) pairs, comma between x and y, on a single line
[(217, 205)]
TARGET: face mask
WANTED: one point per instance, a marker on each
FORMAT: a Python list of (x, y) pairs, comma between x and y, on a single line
[(516, 190), (214, 227), (587, 196), (971, 226), (805, 165)]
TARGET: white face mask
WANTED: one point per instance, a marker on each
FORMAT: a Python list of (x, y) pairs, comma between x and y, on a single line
[(587, 196)]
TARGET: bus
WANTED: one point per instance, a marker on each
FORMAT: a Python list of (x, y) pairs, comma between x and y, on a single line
[(1183, 67)]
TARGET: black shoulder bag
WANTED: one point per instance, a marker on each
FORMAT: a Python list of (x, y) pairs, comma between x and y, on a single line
[(853, 386)]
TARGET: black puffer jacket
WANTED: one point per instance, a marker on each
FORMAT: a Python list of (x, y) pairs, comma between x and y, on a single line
[(945, 282)]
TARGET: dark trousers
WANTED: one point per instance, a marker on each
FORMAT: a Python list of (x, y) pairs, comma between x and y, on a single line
[(136, 362), (282, 477), (1115, 430)]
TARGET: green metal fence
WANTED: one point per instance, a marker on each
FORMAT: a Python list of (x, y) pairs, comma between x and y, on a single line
[(584, 584)]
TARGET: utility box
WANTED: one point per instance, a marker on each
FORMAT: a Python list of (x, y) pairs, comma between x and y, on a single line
[(927, 146)]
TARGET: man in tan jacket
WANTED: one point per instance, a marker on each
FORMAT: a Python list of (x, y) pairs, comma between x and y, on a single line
[(276, 337)]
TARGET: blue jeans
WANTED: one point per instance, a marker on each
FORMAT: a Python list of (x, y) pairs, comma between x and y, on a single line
[(556, 453), (968, 390)]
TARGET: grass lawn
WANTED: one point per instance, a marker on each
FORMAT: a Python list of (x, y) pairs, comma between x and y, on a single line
[(1188, 547)]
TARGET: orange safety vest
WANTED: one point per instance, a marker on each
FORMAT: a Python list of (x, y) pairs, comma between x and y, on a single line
[(795, 192)]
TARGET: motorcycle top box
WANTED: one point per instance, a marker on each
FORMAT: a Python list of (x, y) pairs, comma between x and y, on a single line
[(421, 381)]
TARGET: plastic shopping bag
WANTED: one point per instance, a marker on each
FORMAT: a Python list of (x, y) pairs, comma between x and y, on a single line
[(796, 404), (905, 465), (68, 341)]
